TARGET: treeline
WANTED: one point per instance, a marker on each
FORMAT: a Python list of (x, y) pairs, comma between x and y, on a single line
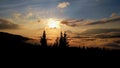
[(15, 41), (61, 42)]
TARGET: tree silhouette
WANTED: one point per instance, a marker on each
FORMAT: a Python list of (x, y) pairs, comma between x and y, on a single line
[(43, 40), (56, 43), (63, 41)]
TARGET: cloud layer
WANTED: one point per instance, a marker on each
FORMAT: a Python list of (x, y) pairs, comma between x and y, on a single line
[(63, 4), (103, 38), (5, 24), (72, 22), (99, 31), (82, 22), (103, 21)]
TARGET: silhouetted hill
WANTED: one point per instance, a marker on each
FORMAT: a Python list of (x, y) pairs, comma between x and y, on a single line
[(13, 41), (7, 36)]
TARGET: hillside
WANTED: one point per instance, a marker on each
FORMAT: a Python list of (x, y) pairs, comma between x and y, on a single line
[(13, 41)]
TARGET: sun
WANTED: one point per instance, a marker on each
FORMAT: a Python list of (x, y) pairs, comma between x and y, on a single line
[(52, 23)]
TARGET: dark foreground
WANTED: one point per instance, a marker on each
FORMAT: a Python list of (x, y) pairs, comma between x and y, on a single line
[(14, 46)]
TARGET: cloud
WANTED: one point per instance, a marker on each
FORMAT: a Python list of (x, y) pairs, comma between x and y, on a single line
[(5, 24), (99, 31), (29, 15), (113, 18), (73, 22), (17, 15), (96, 42), (22, 16), (91, 34), (113, 45), (68, 31), (107, 35), (63, 4), (114, 15), (76, 36), (110, 20)]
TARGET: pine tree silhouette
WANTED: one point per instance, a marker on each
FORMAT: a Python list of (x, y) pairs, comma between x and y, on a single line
[(56, 43), (43, 40), (63, 40)]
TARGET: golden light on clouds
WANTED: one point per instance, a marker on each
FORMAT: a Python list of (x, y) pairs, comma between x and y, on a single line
[(52, 23)]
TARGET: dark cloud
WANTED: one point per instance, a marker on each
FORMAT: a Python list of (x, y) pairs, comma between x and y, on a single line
[(108, 35), (99, 31), (5, 24), (82, 22), (110, 20), (113, 18), (72, 22), (68, 31), (96, 22), (114, 45), (79, 35)]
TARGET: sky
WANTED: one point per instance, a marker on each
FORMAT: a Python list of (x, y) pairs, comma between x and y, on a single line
[(77, 9), (98, 18)]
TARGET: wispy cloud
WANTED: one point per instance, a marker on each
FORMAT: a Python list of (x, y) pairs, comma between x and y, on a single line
[(114, 15), (63, 4), (5, 24), (29, 15), (109, 20), (108, 35), (113, 18), (99, 31), (95, 42), (18, 15), (73, 23)]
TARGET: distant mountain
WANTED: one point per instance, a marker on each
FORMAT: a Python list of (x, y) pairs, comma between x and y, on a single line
[(13, 41), (99, 31)]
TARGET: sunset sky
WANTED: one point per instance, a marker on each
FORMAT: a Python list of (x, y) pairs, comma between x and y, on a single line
[(83, 20)]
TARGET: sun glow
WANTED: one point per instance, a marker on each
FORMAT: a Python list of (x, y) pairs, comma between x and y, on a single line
[(52, 23)]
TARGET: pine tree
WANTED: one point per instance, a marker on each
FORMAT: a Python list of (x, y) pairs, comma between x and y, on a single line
[(63, 40), (56, 43), (43, 40)]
